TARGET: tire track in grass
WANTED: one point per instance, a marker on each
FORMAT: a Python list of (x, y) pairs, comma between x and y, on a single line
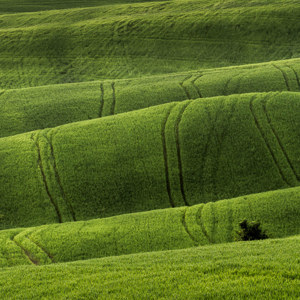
[(113, 104), (183, 221), (296, 75), (285, 77), (199, 221), (195, 86), (33, 260), (264, 105), (57, 176), (101, 100), (42, 249), (165, 154), (266, 141), (40, 164), (177, 138), (226, 85), (184, 88), (213, 229)]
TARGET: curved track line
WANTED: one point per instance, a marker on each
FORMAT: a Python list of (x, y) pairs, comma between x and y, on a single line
[(57, 176), (177, 137), (113, 104), (101, 100), (42, 249), (296, 75), (200, 223), (183, 221), (165, 154), (40, 164), (226, 85), (196, 87), (264, 103), (184, 88), (213, 230), (284, 76), (266, 141), (26, 253)]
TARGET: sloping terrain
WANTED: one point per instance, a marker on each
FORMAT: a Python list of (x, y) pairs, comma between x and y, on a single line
[(134, 126), (125, 41), (174, 154)]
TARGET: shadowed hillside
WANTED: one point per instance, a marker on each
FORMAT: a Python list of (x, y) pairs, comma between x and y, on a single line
[(174, 154)]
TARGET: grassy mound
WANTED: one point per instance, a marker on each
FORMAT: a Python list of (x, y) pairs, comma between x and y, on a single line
[(175, 154), (50, 106), (258, 269), (172, 228), (123, 41)]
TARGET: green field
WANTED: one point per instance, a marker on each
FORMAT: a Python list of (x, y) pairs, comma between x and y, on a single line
[(136, 135)]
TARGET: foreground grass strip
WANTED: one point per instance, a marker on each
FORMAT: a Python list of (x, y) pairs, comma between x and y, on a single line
[(49, 106), (189, 158), (173, 228), (258, 269)]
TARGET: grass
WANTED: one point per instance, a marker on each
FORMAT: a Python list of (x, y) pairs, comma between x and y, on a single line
[(50, 106), (173, 154), (266, 269), (132, 40), (165, 229), (135, 135)]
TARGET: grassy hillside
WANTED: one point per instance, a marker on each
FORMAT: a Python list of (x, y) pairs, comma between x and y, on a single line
[(19, 6), (49, 106), (173, 228), (261, 269), (175, 154), (123, 41)]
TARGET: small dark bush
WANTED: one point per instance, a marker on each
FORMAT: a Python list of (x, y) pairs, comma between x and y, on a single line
[(250, 231)]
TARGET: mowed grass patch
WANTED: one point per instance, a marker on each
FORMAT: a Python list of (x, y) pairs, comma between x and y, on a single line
[(125, 41), (172, 228), (257, 269), (50, 106), (175, 154)]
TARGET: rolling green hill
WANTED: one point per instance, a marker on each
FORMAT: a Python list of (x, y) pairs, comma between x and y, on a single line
[(173, 154), (165, 229), (124, 41), (49, 106), (135, 135), (260, 269)]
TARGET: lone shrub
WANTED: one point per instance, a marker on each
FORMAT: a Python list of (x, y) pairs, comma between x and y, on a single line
[(250, 231)]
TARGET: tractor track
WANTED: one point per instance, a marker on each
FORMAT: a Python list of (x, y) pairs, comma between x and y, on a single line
[(177, 138), (57, 176), (40, 164), (165, 154), (183, 221), (264, 105), (266, 141), (101, 100), (285, 77)]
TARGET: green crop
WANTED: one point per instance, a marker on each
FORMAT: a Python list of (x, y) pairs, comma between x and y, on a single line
[(49, 106)]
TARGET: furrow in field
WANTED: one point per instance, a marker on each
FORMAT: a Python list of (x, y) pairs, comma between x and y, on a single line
[(113, 104), (266, 141), (177, 135), (57, 176), (41, 167), (183, 220), (264, 105), (201, 224), (101, 100), (165, 154), (213, 223), (184, 88), (33, 260), (296, 74), (285, 77), (42, 249), (193, 82), (226, 85)]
